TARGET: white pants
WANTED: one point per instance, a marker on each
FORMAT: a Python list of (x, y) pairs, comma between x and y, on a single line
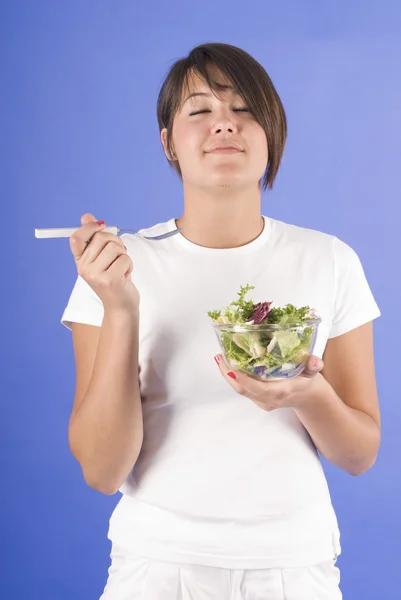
[(135, 578)]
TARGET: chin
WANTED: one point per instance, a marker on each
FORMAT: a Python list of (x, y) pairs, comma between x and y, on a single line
[(231, 183), (227, 179)]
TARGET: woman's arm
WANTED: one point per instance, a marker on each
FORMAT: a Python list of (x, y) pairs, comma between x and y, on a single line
[(343, 418), (106, 426), (338, 406)]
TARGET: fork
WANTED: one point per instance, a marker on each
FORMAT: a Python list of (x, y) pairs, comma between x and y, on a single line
[(64, 232)]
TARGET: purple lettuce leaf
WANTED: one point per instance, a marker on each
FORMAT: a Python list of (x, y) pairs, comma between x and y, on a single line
[(260, 312)]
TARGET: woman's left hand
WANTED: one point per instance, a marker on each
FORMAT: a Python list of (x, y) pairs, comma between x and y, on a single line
[(283, 393)]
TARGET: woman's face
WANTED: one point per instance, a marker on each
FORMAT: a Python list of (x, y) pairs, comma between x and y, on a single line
[(203, 124)]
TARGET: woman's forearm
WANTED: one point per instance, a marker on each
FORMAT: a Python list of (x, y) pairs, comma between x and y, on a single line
[(346, 437), (106, 432)]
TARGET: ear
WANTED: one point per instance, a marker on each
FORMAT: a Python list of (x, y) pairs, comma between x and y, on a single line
[(163, 136)]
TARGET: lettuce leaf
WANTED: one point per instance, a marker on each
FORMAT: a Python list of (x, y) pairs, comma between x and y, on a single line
[(241, 311)]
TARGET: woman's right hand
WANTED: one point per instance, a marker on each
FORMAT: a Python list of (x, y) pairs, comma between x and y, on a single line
[(105, 265)]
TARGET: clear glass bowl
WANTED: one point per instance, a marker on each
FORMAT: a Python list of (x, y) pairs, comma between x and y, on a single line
[(267, 352)]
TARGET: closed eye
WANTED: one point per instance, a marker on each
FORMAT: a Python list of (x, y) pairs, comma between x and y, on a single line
[(199, 112)]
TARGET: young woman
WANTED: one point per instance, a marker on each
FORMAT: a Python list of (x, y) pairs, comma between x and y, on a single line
[(224, 496)]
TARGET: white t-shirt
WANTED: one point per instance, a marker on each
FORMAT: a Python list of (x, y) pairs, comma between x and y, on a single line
[(219, 481)]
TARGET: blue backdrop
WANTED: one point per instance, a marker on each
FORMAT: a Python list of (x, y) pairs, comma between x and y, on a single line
[(78, 105)]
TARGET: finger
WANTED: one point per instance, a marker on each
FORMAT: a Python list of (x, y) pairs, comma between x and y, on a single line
[(225, 370), (130, 269), (87, 218), (79, 239), (313, 366), (246, 386), (270, 392), (104, 248), (239, 381), (120, 267)]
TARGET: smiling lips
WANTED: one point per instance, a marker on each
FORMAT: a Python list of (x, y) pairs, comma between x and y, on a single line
[(225, 149)]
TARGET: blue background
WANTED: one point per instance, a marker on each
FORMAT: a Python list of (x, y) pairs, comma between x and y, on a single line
[(79, 131)]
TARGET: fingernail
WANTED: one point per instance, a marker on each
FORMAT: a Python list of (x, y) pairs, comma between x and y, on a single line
[(217, 359), (100, 222), (231, 374)]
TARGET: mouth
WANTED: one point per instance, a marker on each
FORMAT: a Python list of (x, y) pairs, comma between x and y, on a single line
[(230, 150)]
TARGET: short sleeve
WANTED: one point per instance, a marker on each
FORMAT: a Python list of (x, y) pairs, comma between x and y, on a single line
[(84, 306), (354, 304)]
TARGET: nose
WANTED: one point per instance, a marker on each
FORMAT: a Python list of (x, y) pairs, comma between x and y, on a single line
[(224, 124)]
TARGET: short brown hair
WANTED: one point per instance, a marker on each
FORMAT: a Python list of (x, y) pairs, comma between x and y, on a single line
[(249, 80)]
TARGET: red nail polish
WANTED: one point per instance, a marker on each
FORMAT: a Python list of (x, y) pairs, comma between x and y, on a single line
[(216, 358), (231, 374), (100, 222)]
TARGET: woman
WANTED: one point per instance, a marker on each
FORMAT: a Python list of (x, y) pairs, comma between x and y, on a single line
[(224, 496)]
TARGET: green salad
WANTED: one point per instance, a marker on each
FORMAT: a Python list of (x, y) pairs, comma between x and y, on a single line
[(270, 351)]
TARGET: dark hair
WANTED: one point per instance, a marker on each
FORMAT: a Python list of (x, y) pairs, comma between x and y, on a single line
[(249, 80)]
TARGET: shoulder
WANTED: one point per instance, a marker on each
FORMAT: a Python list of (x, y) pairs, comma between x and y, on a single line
[(291, 233), (313, 239)]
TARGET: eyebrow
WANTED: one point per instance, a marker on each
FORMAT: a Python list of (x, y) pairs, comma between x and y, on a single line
[(205, 94)]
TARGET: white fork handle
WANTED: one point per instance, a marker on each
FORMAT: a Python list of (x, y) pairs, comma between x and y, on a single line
[(64, 232)]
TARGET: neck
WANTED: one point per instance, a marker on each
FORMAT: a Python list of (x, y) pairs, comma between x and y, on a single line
[(228, 219)]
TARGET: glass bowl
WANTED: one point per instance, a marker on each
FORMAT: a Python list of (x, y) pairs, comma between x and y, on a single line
[(267, 352)]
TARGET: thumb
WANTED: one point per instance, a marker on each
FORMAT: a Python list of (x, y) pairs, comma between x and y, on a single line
[(87, 218), (313, 365)]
